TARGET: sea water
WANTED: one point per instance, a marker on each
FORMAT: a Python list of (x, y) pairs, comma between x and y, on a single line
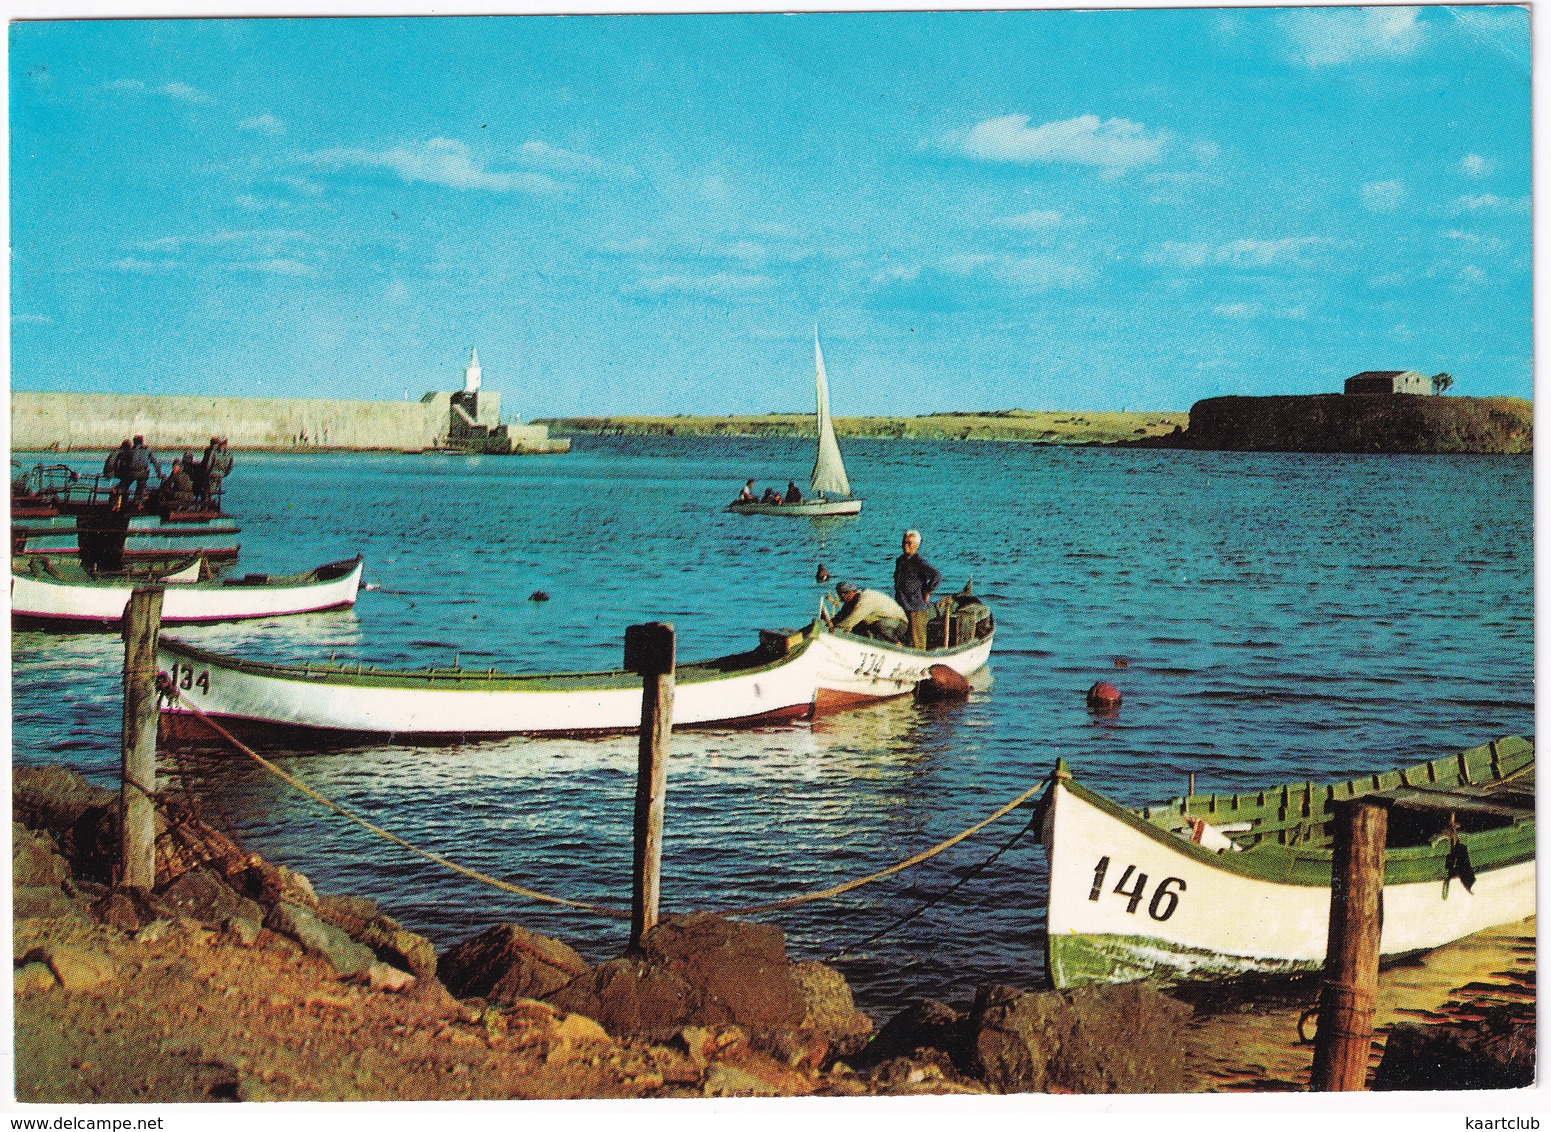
[(1267, 617)]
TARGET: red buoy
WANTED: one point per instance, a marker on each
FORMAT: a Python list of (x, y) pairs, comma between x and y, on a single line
[(1104, 698), (942, 684)]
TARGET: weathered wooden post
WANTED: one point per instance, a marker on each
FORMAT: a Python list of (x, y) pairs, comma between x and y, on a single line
[(649, 651), (1347, 997), (142, 624)]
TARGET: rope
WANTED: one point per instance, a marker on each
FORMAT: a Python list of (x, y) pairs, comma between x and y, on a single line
[(940, 897), (908, 862), (171, 692), (167, 688)]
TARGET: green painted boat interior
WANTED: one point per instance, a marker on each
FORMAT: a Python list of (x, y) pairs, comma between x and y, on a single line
[(764, 658), (1075, 958), (1486, 793)]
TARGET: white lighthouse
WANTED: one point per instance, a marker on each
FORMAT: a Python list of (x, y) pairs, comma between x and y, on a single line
[(471, 373)]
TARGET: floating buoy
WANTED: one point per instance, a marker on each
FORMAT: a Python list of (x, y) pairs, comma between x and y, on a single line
[(1103, 698), (821, 574), (1122, 662), (538, 595), (942, 685)]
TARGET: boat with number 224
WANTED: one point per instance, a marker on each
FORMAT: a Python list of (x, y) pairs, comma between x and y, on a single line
[(788, 676)]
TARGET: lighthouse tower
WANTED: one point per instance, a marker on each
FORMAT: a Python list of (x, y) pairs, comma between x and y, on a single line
[(471, 373)]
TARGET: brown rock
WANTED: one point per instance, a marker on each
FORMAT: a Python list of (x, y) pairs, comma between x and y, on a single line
[(74, 967), (32, 977), (414, 953), (48, 902), (381, 977), (828, 1007), (509, 962), (738, 971), (1100, 1039), (631, 999), (199, 894), (35, 859), (928, 1025), (1497, 1052)]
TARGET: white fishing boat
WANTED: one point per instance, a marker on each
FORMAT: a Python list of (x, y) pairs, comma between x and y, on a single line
[(1227, 885), (788, 676), (47, 591), (831, 490)]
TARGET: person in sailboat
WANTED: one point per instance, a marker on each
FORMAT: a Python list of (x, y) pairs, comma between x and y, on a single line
[(914, 580), (870, 613), (792, 494), (747, 494), (771, 496)]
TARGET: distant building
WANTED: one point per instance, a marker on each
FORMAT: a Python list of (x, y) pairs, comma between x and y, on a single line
[(1390, 381)]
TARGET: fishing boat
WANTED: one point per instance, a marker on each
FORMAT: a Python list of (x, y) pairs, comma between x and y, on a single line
[(147, 538), (787, 676), (1227, 885), (44, 591), (829, 485)]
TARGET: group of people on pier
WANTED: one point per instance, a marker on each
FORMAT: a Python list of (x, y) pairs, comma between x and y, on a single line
[(188, 485)]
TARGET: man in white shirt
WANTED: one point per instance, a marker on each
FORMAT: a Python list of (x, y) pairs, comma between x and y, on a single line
[(870, 613)]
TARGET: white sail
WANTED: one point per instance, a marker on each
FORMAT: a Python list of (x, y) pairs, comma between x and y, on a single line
[(829, 472)]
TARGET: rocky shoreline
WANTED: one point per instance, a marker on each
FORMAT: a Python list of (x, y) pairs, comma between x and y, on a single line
[(235, 980)]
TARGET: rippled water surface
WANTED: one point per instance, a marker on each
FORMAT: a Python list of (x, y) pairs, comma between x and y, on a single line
[(1279, 617)]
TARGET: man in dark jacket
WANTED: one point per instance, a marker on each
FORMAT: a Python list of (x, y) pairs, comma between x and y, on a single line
[(914, 580), (141, 461)]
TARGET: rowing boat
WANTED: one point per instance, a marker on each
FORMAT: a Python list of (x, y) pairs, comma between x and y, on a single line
[(1226, 885), (788, 676), (50, 592)]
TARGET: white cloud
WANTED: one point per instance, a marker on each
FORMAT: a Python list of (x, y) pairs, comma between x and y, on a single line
[(280, 265), (144, 266), (185, 92), (542, 155), (181, 91), (1470, 274), (1235, 253), (1031, 221), (1113, 144), (264, 124), (30, 319), (1035, 272), (1383, 196), (1321, 37), (440, 161), (1474, 165), (1492, 203), (718, 283)]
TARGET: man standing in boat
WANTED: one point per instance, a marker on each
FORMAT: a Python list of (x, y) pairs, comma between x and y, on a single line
[(914, 580)]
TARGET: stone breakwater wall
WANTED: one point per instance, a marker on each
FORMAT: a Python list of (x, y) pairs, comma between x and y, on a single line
[(92, 421), (101, 420)]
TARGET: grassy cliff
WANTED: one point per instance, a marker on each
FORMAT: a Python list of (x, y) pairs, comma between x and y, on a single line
[(1368, 423), (1007, 424)]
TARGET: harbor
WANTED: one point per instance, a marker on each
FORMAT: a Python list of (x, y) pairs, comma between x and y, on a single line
[(1285, 695)]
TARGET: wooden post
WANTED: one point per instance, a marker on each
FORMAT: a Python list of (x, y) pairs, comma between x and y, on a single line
[(1347, 998), (649, 651), (142, 623)]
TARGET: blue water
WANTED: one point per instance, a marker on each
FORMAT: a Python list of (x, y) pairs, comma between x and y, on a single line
[(1278, 616)]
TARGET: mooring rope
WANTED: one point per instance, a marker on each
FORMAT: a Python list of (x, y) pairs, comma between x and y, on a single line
[(166, 686), (164, 683)]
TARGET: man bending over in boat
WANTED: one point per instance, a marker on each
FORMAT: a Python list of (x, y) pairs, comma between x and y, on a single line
[(914, 580), (869, 613)]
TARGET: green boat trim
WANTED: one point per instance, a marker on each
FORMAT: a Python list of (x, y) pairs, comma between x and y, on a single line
[(763, 659), (1289, 841)]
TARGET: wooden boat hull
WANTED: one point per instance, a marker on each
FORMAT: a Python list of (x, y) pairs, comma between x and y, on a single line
[(1130, 900), (821, 670), (38, 598), (805, 509)]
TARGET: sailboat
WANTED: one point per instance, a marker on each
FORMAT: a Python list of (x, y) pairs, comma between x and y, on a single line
[(831, 490)]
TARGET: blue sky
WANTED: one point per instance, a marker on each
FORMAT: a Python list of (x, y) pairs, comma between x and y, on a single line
[(1042, 209)]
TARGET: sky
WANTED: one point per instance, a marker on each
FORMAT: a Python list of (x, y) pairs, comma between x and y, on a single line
[(1100, 210)]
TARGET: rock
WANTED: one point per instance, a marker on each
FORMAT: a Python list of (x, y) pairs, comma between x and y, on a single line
[(201, 895), (381, 977), (1497, 1052), (154, 931), (738, 971), (805, 1050), (928, 1025), (1100, 1039), (245, 930), (32, 977), (509, 962), (942, 685), (48, 902), (414, 953), (318, 938), (731, 1081), (127, 909), (351, 914), (630, 998), (296, 888), (582, 1030), (35, 860), (74, 967), (828, 1007)]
